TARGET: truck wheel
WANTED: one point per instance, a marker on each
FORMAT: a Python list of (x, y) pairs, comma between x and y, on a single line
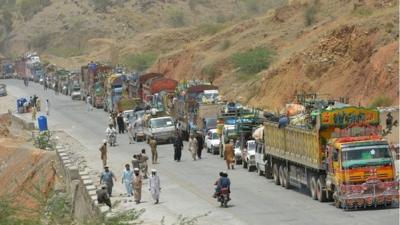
[(268, 172), (275, 174), (321, 194), (329, 195), (281, 179), (313, 188), (286, 177)]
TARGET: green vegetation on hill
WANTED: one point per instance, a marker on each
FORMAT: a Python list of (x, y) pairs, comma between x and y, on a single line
[(252, 61)]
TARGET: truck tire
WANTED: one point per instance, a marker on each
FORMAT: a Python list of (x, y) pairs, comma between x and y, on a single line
[(313, 187), (268, 172), (275, 174), (281, 178), (286, 177), (321, 194), (249, 168)]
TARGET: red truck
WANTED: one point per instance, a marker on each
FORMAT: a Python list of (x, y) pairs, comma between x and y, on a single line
[(156, 85), (92, 77), (142, 80)]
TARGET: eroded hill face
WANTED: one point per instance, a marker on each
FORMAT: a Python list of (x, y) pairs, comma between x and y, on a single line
[(332, 47)]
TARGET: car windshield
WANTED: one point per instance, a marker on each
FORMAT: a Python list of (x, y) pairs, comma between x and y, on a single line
[(251, 146), (365, 156), (162, 122), (76, 89)]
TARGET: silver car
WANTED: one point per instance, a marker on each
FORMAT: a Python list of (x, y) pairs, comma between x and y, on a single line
[(3, 90)]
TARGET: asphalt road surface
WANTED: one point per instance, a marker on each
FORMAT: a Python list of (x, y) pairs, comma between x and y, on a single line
[(187, 186)]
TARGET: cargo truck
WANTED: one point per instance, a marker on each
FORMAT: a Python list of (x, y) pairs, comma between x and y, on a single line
[(343, 158)]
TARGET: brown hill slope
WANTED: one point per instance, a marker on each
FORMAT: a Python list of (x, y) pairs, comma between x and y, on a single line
[(351, 50)]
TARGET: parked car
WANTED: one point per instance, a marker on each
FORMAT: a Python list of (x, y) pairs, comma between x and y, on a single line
[(128, 116), (212, 141), (249, 155), (138, 130), (238, 153), (3, 90), (232, 107)]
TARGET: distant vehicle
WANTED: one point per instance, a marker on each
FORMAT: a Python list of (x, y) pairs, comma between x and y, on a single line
[(238, 153), (160, 128), (212, 141), (232, 107), (128, 117), (3, 90), (76, 93), (249, 155), (138, 130)]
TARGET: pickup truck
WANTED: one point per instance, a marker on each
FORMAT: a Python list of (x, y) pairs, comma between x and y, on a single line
[(160, 128)]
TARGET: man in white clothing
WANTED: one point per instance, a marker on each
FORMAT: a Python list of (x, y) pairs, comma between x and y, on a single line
[(154, 186)]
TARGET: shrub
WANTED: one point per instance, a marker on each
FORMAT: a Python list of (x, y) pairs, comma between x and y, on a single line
[(101, 5), (220, 18), (309, 15), (140, 62), (209, 28), (252, 61), (225, 45), (381, 101), (363, 11), (210, 71), (40, 41), (29, 8), (176, 18)]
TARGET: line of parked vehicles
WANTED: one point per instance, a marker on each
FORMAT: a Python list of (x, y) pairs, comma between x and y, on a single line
[(339, 152)]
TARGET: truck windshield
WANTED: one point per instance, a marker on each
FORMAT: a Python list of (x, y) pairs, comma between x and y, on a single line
[(251, 146), (214, 136), (163, 122), (365, 156)]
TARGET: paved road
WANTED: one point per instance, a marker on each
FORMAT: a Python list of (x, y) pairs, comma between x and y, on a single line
[(187, 186)]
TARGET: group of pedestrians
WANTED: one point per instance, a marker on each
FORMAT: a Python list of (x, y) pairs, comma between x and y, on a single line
[(133, 182), (35, 104), (196, 145)]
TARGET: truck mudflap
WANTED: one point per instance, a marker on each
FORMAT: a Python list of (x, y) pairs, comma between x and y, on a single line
[(372, 193)]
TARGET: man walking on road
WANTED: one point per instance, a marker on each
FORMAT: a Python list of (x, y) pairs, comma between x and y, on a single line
[(120, 123), (137, 185), (33, 113), (229, 155), (154, 186), (193, 146), (127, 177), (107, 177), (153, 146), (200, 145), (178, 145), (89, 103), (103, 151), (47, 107), (143, 166)]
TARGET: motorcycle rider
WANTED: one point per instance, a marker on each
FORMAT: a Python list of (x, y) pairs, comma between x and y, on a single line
[(222, 182), (111, 135)]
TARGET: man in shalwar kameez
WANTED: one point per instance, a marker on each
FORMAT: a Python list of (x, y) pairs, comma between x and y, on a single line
[(137, 185), (154, 186)]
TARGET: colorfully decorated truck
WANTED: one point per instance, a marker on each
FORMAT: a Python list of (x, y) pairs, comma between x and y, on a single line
[(342, 158)]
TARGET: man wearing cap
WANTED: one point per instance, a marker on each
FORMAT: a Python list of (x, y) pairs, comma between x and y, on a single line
[(107, 177), (137, 185), (127, 178), (103, 151), (154, 186), (102, 196)]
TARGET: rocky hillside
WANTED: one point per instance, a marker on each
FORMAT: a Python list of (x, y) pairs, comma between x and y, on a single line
[(332, 47)]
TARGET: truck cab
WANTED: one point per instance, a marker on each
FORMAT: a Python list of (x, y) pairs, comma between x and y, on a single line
[(360, 172), (160, 128), (248, 155)]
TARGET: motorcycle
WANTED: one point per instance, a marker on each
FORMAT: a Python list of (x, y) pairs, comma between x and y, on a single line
[(224, 197)]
